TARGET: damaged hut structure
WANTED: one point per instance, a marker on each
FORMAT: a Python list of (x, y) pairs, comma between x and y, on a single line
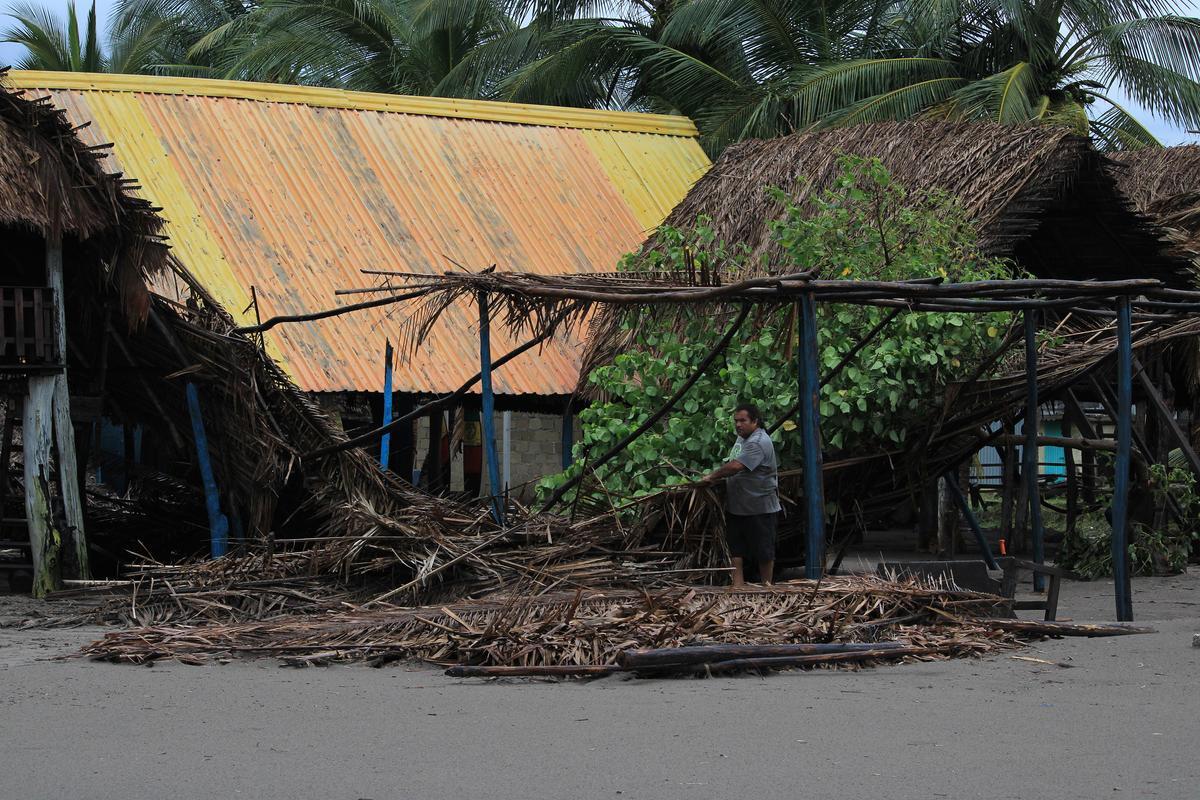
[(324, 556), (277, 197), (209, 429), (1111, 297)]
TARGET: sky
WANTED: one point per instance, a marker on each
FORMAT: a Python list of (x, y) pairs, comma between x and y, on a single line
[(1166, 132)]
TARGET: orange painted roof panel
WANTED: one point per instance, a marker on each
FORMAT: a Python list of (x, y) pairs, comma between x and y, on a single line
[(293, 191)]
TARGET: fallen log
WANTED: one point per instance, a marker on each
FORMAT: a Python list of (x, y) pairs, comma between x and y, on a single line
[(785, 662), (1040, 628), (711, 653), (558, 670)]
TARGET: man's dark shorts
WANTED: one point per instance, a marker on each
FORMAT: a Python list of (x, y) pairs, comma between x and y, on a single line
[(751, 536)]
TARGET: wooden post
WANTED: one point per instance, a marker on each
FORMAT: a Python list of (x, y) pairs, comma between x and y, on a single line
[(1008, 481), (45, 541), (218, 523), (568, 438), (64, 430), (810, 437), (1087, 477), (1072, 476), (402, 461), (437, 425), (488, 409), (951, 480), (385, 443), (1120, 516), (1031, 449)]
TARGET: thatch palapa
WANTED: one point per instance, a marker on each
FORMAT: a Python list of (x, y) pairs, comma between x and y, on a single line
[(54, 184), (1039, 195), (1164, 183)]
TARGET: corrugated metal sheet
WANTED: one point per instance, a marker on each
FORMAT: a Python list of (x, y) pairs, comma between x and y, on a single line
[(295, 190)]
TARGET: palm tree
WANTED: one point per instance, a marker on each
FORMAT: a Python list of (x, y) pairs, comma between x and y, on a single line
[(1059, 61), (160, 36), (54, 44), (756, 68), (405, 46)]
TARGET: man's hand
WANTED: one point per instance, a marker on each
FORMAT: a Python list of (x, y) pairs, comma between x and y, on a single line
[(721, 473)]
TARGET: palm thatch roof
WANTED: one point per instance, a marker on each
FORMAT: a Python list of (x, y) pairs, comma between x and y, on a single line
[(54, 184), (1164, 183), (1042, 196)]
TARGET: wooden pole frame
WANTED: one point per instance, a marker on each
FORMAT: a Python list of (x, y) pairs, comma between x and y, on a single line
[(487, 410), (1120, 516), (385, 442), (64, 429), (1030, 452), (810, 438)]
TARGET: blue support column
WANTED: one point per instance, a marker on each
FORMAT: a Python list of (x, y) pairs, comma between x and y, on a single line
[(568, 438), (1120, 509), (385, 444), (985, 550), (488, 408), (218, 523), (810, 437), (1030, 462)]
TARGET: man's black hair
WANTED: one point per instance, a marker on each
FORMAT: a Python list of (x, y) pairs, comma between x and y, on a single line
[(751, 411)]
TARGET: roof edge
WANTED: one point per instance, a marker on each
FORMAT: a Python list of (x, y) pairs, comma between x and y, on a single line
[(485, 110)]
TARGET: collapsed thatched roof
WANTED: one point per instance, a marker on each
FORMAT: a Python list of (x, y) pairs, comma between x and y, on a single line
[(1039, 195), (1165, 184), (53, 183)]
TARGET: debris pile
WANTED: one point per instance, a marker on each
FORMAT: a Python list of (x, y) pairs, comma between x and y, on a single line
[(575, 631)]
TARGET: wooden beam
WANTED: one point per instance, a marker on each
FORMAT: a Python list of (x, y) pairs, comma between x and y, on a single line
[(1030, 451), (1160, 405), (1120, 516), (36, 430), (810, 437), (64, 430)]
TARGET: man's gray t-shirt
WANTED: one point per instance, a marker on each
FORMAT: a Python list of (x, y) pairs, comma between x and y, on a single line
[(754, 490)]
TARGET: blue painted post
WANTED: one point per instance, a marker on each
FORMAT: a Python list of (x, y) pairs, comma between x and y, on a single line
[(1030, 465), (985, 550), (568, 439), (1120, 515), (218, 523), (488, 410), (810, 438), (385, 444)]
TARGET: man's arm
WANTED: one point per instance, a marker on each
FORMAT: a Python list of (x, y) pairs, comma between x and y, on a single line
[(722, 472)]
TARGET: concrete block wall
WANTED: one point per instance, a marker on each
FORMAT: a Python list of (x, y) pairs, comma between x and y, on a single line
[(535, 449)]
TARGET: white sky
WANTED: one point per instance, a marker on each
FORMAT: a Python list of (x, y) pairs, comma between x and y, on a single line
[(1167, 132)]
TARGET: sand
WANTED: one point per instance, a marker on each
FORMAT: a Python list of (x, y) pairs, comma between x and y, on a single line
[(1123, 721)]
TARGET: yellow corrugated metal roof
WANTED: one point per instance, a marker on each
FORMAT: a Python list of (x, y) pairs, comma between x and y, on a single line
[(294, 190)]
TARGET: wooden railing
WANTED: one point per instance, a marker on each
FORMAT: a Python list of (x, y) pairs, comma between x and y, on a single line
[(26, 326)]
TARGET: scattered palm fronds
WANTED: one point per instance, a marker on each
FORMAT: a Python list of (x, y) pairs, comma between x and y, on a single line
[(595, 627)]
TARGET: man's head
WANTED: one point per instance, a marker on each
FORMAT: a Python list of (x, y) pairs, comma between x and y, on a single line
[(746, 419)]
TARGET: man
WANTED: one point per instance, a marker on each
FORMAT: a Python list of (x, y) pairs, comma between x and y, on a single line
[(751, 495)]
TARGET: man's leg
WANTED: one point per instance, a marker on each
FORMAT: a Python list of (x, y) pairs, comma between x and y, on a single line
[(764, 535), (739, 576)]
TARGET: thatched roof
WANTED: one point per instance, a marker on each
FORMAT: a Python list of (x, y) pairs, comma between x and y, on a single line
[(1039, 195), (1165, 184), (52, 182)]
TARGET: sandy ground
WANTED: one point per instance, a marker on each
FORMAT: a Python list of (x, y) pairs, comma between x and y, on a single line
[(1124, 721)]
